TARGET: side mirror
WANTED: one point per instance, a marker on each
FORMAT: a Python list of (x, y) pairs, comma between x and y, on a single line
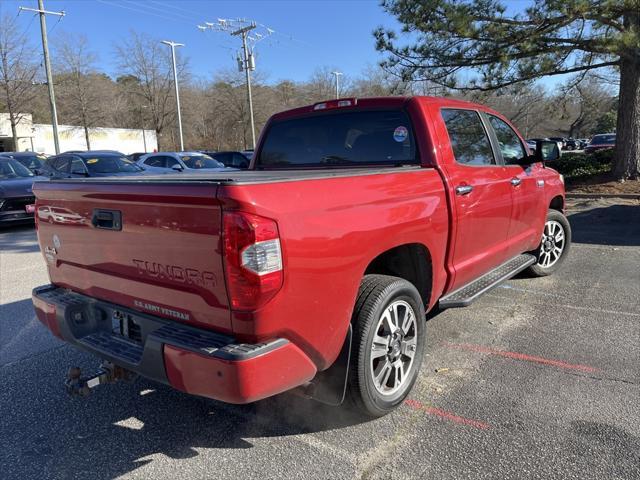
[(547, 151), (177, 167)]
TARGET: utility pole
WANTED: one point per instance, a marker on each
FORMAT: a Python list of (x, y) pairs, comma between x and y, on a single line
[(173, 46), (248, 65), (242, 27), (47, 66), (337, 74)]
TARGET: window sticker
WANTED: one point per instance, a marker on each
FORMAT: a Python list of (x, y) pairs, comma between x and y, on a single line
[(400, 134), (92, 160)]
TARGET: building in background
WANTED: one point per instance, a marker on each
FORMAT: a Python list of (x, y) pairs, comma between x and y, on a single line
[(38, 137)]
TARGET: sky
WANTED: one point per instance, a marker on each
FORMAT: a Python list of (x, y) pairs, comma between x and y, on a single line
[(308, 34)]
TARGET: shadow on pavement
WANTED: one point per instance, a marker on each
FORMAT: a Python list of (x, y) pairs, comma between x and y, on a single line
[(47, 434), (18, 239), (613, 225)]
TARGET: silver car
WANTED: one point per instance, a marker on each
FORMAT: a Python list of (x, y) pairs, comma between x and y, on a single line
[(163, 162)]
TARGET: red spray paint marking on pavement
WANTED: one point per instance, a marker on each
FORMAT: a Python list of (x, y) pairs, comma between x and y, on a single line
[(446, 415), (522, 356)]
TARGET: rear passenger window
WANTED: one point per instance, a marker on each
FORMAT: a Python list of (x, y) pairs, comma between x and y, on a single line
[(61, 164), (170, 162), (155, 161), (468, 137), (510, 145)]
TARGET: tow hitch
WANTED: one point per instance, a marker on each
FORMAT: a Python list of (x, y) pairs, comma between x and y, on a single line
[(76, 384)]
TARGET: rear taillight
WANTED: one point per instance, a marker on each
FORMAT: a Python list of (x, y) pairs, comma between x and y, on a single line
[(252, 259)]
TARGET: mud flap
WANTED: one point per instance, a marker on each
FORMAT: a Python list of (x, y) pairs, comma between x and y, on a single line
[(330, 385)]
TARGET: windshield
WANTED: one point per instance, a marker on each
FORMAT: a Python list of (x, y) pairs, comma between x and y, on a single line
[(200, 161), (110, 164), (10, 168), (602, 139), (372, 137)]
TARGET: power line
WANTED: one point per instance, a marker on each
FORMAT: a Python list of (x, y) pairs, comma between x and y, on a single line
[(26, 30), (146, 12), (146, 5), (180, 9), (55, 25)]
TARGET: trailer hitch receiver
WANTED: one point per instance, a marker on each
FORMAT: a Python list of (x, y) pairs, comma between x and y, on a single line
[(77, 384)]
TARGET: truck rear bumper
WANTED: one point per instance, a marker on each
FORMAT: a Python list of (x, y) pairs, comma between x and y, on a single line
[(193, 360)]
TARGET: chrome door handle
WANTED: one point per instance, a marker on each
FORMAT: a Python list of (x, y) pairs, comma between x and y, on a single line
[(463, 189), (515, 181)]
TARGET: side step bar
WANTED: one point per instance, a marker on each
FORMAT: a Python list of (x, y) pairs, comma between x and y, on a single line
[(471, 291)]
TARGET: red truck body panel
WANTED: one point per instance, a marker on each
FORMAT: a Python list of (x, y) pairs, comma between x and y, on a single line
[(167, 253), (242, 381), (330, 230)]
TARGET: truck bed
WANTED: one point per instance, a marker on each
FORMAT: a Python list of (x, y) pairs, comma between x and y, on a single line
[(245, 177)]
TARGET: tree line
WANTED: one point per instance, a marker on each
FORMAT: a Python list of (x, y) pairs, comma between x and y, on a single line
[(214, 110)]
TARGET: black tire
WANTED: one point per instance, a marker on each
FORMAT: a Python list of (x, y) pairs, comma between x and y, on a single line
[(377, 294), (538, 269)]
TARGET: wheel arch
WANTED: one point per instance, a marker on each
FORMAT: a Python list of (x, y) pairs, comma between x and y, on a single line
[(557, 203), (410, 261)]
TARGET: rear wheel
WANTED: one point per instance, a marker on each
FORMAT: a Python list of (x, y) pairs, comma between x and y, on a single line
[(388, 343), (554, 246)]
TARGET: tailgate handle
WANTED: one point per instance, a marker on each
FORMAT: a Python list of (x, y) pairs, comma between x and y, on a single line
[(107, 219)]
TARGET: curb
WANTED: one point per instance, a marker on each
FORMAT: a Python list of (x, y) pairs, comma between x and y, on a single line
[(631, 196)]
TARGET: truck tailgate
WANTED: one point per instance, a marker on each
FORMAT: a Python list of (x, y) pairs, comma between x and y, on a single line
[(152, 247)]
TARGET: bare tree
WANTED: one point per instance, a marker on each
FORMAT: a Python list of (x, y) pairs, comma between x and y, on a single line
[(17, 73), (80, 96), (148, 62)]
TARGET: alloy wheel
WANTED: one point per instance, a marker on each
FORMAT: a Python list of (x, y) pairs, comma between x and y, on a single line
[(393, 348), (552, 245)]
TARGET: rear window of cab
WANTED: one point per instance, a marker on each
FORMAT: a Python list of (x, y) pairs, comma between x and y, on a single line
[(349, 139)]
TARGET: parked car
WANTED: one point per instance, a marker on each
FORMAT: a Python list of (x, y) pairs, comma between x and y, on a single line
[(571, 144), (232, 159), (17, 202), (314, 268), (116, 152), (561, 141), (161, 162), (531, 143), (602, 141), (32, 160), (134, 157), (90, 164)]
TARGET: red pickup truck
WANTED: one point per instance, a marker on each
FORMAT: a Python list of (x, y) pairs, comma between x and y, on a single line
[(316, 267)]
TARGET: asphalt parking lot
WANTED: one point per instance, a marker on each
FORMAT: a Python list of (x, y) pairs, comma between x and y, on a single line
[(538, 379)]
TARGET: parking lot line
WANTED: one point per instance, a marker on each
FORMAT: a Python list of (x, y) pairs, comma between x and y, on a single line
[(564, 305), (438, 412), (521, 356)]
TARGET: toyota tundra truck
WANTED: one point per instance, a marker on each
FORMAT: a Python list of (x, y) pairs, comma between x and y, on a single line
[(313, 270)]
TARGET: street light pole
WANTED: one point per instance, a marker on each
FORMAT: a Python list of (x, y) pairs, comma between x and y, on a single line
[(173, 46), (337, 74), (47, 66)]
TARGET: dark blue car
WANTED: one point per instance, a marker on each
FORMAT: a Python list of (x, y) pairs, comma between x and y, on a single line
[(17, 202), (32, 160), (90, 164)]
